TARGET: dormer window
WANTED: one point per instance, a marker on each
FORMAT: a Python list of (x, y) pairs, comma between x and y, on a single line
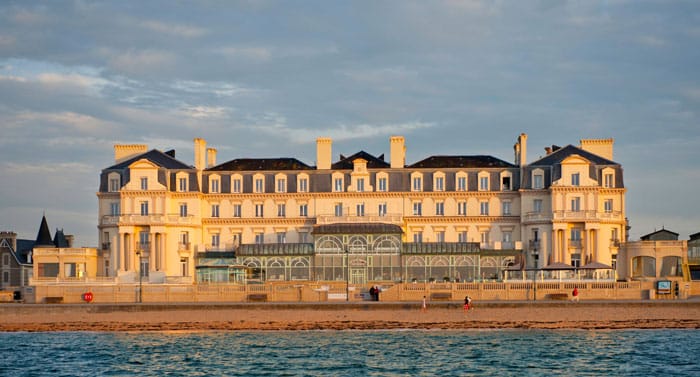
[(382, 182), (114, 184), (338, 184), (360, 184), (236, 184), (484, 181), (259, 183), (461, 181), (416, 182), (144, 183), (439, 182), (182, 184), (302, 183), (575, 179), (214, 185), (281, 183)]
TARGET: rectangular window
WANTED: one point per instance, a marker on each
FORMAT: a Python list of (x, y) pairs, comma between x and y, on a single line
[(236, 185), (215, 240), (382, 209), (484, 208), (6, 260), (609, 181), (462, 184), (259, 210), (575, 179), (506, 208), (608, 205), (281, 210), (360, 209), (303, 237), (462, 236), (259, 185), (214, 186), (184, 238), (462, 208), (114, 209), (507, 237), (576, 204), (439, 184), (613, 236), (338, 185), (382, 184), (183, 209), (303, 185), (439, 209), (537, 205), (485, 238), (576, 234), (303, 210), (538, 181), (440, 236), (214, 210), (484, 183), (281, 185), (48, 270), (237, 210), (144, 208), (144, 183), (182, 184), (281, 237), (259, 238), (418, 237), (184, 266), (338, 209), (360, 185), (114, 185), (417, 184), (417, 209)]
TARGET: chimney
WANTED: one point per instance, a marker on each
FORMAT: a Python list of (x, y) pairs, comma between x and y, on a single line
[(211, 157), (200, 152), (600, 147), (123, 152), (548, 150), (520, 149), (397, 152), (324, 146), (11, 238), (69, 239)]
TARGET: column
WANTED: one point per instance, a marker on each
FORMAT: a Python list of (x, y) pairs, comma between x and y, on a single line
[(120, 252)]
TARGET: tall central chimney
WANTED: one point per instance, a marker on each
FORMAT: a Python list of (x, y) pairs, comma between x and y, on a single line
[(324, 146), (397, 151)]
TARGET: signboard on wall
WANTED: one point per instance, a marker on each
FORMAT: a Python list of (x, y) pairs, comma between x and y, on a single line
[(663, 286)]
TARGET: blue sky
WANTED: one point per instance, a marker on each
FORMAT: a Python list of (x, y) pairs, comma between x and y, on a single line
[(265, 78)]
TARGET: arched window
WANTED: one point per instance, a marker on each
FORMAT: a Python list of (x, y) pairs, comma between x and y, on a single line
[(644, 267)]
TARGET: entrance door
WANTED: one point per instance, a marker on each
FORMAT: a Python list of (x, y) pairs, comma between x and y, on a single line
[(358, 275)]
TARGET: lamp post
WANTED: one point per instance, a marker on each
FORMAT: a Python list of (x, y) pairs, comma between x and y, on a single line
[(139, 252), (347, 273)]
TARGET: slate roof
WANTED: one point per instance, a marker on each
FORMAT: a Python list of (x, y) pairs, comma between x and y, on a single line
[(477, 161), (256, 164), (357, 228), (43, 237), (60, 239), (670, 235), (372, 161), (560, 154), (157, 157)]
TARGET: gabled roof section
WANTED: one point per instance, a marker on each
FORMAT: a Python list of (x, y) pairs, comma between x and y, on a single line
[(157, 157), (373, 162), (660, 235), (43, 237), (261, 164), (561, 154), (478, 161)]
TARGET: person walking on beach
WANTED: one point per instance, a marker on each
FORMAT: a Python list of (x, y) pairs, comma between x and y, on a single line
[(424, 307), (467, 303), (372, 292), (574, 295)]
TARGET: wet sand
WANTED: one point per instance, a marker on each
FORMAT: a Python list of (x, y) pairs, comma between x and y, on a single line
[(352, 316)]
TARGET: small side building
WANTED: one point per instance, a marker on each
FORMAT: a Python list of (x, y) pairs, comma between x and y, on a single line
[(657, 255)]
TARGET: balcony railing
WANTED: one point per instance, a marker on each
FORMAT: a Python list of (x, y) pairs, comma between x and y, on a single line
[(221, 247), (537, 216), (143, 246), (183, 246), (574, 243), (154, 219), (106, 245), (586, 215), (534, 244), (367, 218)]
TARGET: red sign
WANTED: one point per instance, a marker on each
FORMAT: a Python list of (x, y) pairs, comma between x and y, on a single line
[(87, 296)]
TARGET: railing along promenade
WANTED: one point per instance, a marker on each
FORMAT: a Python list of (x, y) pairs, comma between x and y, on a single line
[(105, 292)]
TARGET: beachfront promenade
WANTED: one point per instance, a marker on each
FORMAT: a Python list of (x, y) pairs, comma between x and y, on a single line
[(319, 292)]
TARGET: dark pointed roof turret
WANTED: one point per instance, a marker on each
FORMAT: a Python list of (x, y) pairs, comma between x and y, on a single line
[(43, 238)]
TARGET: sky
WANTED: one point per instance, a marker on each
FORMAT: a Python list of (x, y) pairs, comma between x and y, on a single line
[(266, 78)]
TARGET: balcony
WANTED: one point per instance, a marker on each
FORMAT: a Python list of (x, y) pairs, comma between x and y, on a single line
[(220, 247), (537, 216), (502, 245), (154, 219), (614, 242), (390, 218), (183, 246), (534, 244), (576, 244), (106, 245)]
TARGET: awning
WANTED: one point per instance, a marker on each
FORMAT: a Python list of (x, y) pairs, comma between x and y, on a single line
[(558, 266), (595, 266)]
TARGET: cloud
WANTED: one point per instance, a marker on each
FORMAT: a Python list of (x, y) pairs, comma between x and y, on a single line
[(56, 168), (140, 61), (260, 54), (279, 128), (174, 29), (78, 122), (204, 112)]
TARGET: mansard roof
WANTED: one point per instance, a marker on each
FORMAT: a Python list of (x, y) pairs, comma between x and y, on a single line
[(155, 156), (261, 164), (43, 237), (478, 161), (372, 161), (560, 154)]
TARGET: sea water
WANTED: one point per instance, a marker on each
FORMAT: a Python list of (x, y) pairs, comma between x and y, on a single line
[(353, 353)]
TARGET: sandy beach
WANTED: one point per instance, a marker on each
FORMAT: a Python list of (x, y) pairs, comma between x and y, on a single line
[(353, 316)]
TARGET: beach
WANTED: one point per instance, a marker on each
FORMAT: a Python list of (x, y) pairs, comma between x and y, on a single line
[(351, 316)]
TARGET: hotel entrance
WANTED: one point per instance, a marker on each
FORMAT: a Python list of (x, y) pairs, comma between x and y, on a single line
[(358, 275)]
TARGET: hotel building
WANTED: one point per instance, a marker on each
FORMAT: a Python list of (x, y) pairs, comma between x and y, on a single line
[(359, 218)]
